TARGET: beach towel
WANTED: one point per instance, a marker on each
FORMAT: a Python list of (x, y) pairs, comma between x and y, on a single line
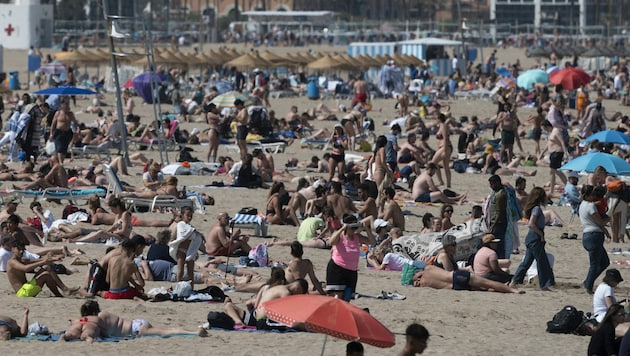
[(184, 232), (422, 247)]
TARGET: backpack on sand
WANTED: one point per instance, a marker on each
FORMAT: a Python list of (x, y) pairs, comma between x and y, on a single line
[(566, 321)]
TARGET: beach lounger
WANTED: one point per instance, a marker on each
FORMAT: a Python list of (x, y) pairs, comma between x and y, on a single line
[(158, 202), (315, 143), (56, 193), (258, 223), (271, 147), (98, 150)]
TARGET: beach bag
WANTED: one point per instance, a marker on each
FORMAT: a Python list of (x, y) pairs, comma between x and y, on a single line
[(460, 166), (68, 210), (248, 211), (97, 281), (259, 254), (566, 321), (50, 148), (220, 320), (182, 289), (215, 292)]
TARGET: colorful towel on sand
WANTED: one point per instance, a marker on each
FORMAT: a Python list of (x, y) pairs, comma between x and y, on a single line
[(421, 247)]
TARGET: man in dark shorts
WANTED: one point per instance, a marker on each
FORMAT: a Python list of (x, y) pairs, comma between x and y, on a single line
[(61, 130), (438, 278), (242, 120), (557, 149)]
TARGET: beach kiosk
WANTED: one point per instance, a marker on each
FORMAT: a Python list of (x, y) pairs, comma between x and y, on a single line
[(433, 50)]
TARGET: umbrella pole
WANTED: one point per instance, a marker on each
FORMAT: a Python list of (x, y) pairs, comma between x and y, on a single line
[(227, 260), (324, 345)]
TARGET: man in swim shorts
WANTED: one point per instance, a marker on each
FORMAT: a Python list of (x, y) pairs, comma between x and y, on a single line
[(16, 272), (438, 278), (61, 129), (425, 191), (125, 280)]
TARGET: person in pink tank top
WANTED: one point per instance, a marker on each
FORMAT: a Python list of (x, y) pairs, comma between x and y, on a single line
[(342, 269)]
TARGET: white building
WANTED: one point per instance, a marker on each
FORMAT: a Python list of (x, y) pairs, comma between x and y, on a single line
[(26, 23)]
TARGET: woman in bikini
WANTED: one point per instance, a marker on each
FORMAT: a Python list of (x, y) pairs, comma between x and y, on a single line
[(337, 157), (100, 216), (445, 148), (169, 187), (213, 134), (120, 229), (275, 214)]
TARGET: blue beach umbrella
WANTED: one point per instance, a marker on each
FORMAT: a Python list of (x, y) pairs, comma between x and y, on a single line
[(65, 90), (589, 162), (609, 136), (528, 79)]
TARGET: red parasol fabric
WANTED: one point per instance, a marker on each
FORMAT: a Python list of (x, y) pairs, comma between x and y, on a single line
[(128, 84), (570, 78), (330, 316)]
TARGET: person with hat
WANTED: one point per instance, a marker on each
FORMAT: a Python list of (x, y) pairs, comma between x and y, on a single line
[(487, 264), (535, 242), (571, 194), (604, 295)]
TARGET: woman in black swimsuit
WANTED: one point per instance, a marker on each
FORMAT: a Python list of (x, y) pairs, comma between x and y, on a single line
[(337, 157)]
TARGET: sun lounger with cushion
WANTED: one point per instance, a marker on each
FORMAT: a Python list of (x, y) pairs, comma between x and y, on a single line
[(258, 223)]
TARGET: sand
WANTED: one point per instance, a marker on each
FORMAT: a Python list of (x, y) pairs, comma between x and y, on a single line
[(460, 323)]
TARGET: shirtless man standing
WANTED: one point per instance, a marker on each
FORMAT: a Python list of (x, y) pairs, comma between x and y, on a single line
[(61, 130), (242, 120), (340, 204), (507, 124), (218, 241), (425, 191), (299, 268), (557, 149), (392, 212), (438, 278), (361, 91), (123, 276)]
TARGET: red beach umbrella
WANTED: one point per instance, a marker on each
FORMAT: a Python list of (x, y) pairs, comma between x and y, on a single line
[(330, 316), (570, 78)]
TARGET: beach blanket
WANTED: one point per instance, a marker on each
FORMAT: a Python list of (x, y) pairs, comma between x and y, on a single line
[(420, 247)]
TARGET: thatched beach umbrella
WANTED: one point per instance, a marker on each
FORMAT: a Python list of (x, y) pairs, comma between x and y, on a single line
[(249, 61), (328, 62)]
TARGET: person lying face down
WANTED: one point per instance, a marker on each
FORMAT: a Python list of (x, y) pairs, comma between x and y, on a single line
[(438, 278)]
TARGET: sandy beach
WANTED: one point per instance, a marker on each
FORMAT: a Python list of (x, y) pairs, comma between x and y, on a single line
[(460, 323)]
